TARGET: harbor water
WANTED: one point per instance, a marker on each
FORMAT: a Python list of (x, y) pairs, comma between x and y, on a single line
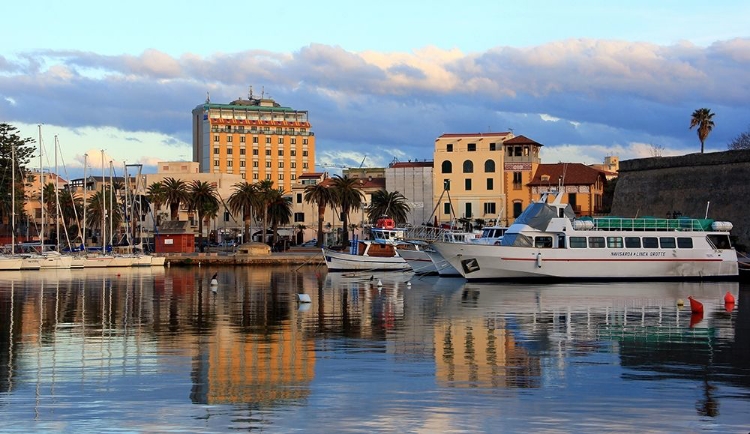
[(165, 350)]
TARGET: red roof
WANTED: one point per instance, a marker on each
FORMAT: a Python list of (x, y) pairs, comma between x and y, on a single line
[(521, 140), (570, 173), (411, 164), (474, 135)]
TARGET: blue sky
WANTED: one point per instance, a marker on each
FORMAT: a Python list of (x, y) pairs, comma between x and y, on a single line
[(383, 79)]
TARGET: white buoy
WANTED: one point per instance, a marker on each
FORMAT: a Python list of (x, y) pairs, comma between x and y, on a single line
[(408, 283), (380, 283), (304, 298), (214, 282)]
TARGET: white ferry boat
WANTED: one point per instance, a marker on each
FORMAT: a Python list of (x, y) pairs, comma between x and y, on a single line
[(547, 242)]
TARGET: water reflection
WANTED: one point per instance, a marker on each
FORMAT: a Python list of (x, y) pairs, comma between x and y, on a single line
[(78, 346)]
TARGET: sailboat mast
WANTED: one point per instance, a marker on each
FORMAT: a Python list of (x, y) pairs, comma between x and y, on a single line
[(13, 199), (85, 183), (57, 197), (111, 205), (127, 222), (41, 180), (104, 210)]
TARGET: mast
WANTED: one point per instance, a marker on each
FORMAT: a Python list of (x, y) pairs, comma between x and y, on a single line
[(85, 162), (104, 210), (41, 180), (111, 205), (127, 222), (13, 200), (57, 197)]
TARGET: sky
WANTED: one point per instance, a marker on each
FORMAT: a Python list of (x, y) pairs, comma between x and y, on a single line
[(380, 80)]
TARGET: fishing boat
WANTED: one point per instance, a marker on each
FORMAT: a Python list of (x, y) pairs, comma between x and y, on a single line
[(547, 241), (415, 254), (365, 255)]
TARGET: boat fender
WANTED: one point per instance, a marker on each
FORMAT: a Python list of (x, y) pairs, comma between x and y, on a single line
[(539, 260)]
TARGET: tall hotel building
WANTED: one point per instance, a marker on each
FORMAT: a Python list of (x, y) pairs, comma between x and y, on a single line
[(255, 138)]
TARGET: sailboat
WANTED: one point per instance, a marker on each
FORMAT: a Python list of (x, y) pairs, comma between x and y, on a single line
[(49, 259), (90, 260)]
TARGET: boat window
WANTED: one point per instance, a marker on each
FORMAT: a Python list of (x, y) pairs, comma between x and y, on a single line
[(720, 241), (596, 242), (614, 242), (650, 242), (685, 243), (667, 242), (543, 242), (632, 242), (517, 240), (577, 242)]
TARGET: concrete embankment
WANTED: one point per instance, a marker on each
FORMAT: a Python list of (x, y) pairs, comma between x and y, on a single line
[(311, 256)]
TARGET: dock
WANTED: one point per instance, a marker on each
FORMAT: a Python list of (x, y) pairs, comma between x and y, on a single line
[(294, 256)]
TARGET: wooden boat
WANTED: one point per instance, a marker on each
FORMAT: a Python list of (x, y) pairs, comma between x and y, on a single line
[(365, 255)]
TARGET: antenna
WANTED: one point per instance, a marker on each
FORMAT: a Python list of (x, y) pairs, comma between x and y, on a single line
[(208, 98), (250, 93)]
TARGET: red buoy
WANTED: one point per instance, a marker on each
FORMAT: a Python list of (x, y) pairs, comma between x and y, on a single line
[(695, 305), (695, 319), (729, 298)]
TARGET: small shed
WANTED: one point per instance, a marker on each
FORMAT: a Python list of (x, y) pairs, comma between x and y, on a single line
[(173, 237)]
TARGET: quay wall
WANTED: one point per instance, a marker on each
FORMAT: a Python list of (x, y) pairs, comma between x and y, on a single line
[(691, 184), (213, 259)]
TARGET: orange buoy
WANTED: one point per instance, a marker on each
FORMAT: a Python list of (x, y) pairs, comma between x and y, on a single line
[(695, 319), (695, 305), (729, 298), (729, 307)]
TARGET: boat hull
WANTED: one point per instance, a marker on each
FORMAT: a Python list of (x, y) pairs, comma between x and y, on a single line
[(486, 262), (443, 267), (340, 261), (419, 261)]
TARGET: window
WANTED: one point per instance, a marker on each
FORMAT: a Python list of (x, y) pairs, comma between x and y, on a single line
[(255, 176), (255, 164), (468, 166), (304, 165), (471, 147), (293, 140), (281, 164), (216, 151), (543, 242), (255, 152), (490, 184), (517, 209), (216, 137), (243, 175), (299, 217), (242, 139), (614, 242), (279, 130), (242, 163), (268, 140), (449, 147), (446, 209), (467, 184), (268, 164), (268, 152), (229, 151), (577, 242), (446, 167), (517, 151), (304, 153), (242, 151), (281, 176), (299, 197), (304, 141), (489, 208), (294, 176), (216, 163), (685, 243), (293, 164), (229, 163), (293, 152), (517, 180), (650, 243), (447, 184), (255, 139), (468, 210), (596, 242), (493, 146), (667, 242), (632, 242), (489, 166), (281, 152), (229, 139)]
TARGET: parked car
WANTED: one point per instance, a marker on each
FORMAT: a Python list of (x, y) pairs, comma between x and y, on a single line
[(311, 243)]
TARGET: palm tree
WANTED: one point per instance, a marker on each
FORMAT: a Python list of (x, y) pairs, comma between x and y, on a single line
[(279, 212), (175, 192), (71, 207), (265, 196), (203, 199), (323, 196), (703, 119), (391, 204), (242, 201), (157, 196), (95, 209), (348, 197)]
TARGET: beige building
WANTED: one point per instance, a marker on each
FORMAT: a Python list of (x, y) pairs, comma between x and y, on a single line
[(468, 181), (256, 139)]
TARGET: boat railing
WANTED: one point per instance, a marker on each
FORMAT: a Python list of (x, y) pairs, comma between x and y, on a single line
[(651, 224)]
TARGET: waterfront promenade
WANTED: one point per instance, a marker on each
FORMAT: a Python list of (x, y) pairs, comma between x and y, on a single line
[(293, 256)]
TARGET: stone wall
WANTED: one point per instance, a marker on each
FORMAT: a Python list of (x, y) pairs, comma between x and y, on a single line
[(719, 181)]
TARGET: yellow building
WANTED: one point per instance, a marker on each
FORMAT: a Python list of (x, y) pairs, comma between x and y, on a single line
[(255, 138), (468, 173), (521, 160), (583, 184)]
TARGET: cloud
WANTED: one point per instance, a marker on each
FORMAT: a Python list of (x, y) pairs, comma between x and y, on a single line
[(576, 96)]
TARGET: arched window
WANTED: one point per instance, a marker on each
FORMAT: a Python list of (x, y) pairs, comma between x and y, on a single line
[(447, 167), (468, 166), (489, 166)]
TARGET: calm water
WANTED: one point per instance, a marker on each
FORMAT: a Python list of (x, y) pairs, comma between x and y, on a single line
[(160, 351)]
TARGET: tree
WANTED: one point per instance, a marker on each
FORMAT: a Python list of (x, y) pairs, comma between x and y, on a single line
[(156, 195), (742, 141), (12, 144), (391, 204), (348, 196), (203, 199), (95, 210), (703, 119), (279, 212), (175, 193), (265, 196), (243, 199), (322, 196)]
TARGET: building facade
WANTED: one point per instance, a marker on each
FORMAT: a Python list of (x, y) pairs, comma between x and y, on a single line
[(468, 180), (521, 161), (414, 180), (256, 139), (583, 184)]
